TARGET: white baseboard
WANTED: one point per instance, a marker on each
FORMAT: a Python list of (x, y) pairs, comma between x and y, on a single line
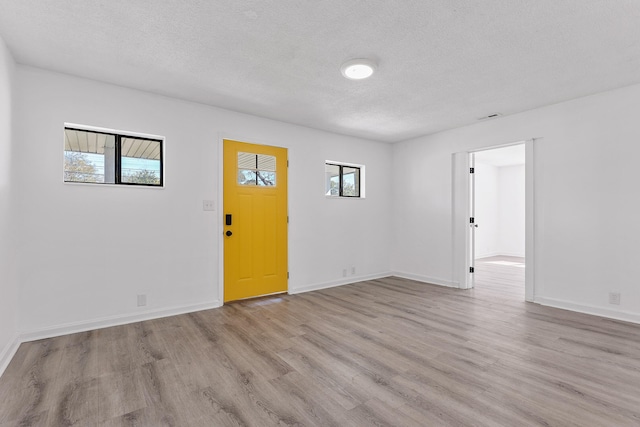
[(8, 352), (499, 254), (105, 322), (489, 255), (625, 316), (425, 279), (334, 283), (512, 254)]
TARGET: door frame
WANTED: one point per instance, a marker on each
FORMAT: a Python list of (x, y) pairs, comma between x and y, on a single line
[(220, 202), (461, 209)]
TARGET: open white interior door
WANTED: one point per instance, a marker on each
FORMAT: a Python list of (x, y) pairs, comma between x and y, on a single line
[(473, 224), (461, 231)]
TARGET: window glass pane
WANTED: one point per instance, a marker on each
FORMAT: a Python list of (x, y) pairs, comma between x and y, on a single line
[(87, 155), (332, 180), (266, 178), (247, 177), (350, 181), (140, 161), (90, 156), (247, 161), (266, 163), (256, 169)]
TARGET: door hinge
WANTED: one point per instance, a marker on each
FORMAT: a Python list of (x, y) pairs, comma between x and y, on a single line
[(287, 274), (287, 219), (471, 269), (287, 163), (471, 170), (472, 220)]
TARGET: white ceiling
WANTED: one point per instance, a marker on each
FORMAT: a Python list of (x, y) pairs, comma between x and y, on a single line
[(505, 156), (442, 63)]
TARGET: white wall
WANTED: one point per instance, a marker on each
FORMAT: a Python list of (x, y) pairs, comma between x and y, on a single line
[(8, 284), (86, 251), (500, 208), (586, 198), (511, 210)]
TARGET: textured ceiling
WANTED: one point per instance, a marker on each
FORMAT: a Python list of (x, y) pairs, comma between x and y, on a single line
[(442, 63)]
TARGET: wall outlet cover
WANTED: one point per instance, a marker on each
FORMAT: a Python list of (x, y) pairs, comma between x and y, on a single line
[(142, 300), (208, 205), (614, 298)]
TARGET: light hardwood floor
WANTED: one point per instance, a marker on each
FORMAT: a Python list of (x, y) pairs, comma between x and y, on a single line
[(500, 277), (388, 352)]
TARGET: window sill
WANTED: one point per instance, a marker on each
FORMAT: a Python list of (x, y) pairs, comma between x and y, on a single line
[(92, 184), (343, 197)]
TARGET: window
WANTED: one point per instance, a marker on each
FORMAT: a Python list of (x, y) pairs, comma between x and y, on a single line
[(111, 158), (343, 180), (256, 169)]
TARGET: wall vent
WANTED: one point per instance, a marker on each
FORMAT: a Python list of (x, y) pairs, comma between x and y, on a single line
[(490, 116)]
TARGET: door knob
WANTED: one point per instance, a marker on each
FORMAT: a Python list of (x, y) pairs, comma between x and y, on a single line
[(228, 233)]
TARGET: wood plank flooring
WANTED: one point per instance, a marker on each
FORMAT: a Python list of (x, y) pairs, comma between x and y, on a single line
[(500, 277), (388, 352)]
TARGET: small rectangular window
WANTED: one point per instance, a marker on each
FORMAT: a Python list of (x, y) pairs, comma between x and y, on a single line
[(256, 169), (111, 158), (342, 180)]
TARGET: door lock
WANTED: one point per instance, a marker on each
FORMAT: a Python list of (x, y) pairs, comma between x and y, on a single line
[(228, 233)]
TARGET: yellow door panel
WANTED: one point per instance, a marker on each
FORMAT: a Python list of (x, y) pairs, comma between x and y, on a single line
[(255, 243), (269, 263)]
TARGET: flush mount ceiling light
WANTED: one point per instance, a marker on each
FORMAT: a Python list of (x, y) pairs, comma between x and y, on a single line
[(358, 69)]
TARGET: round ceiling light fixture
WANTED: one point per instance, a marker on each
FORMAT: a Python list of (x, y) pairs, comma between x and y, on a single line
[(358, 69)]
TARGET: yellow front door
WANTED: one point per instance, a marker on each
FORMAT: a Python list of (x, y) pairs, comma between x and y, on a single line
[(255, 220)]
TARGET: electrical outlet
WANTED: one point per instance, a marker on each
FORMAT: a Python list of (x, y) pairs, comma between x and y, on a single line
[(614, 298), (142, 300), (344, 272), (208, 205), (353, 270)]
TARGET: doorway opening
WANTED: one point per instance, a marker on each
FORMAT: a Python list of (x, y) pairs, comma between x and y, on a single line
[(497, 204), (463, 206)]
